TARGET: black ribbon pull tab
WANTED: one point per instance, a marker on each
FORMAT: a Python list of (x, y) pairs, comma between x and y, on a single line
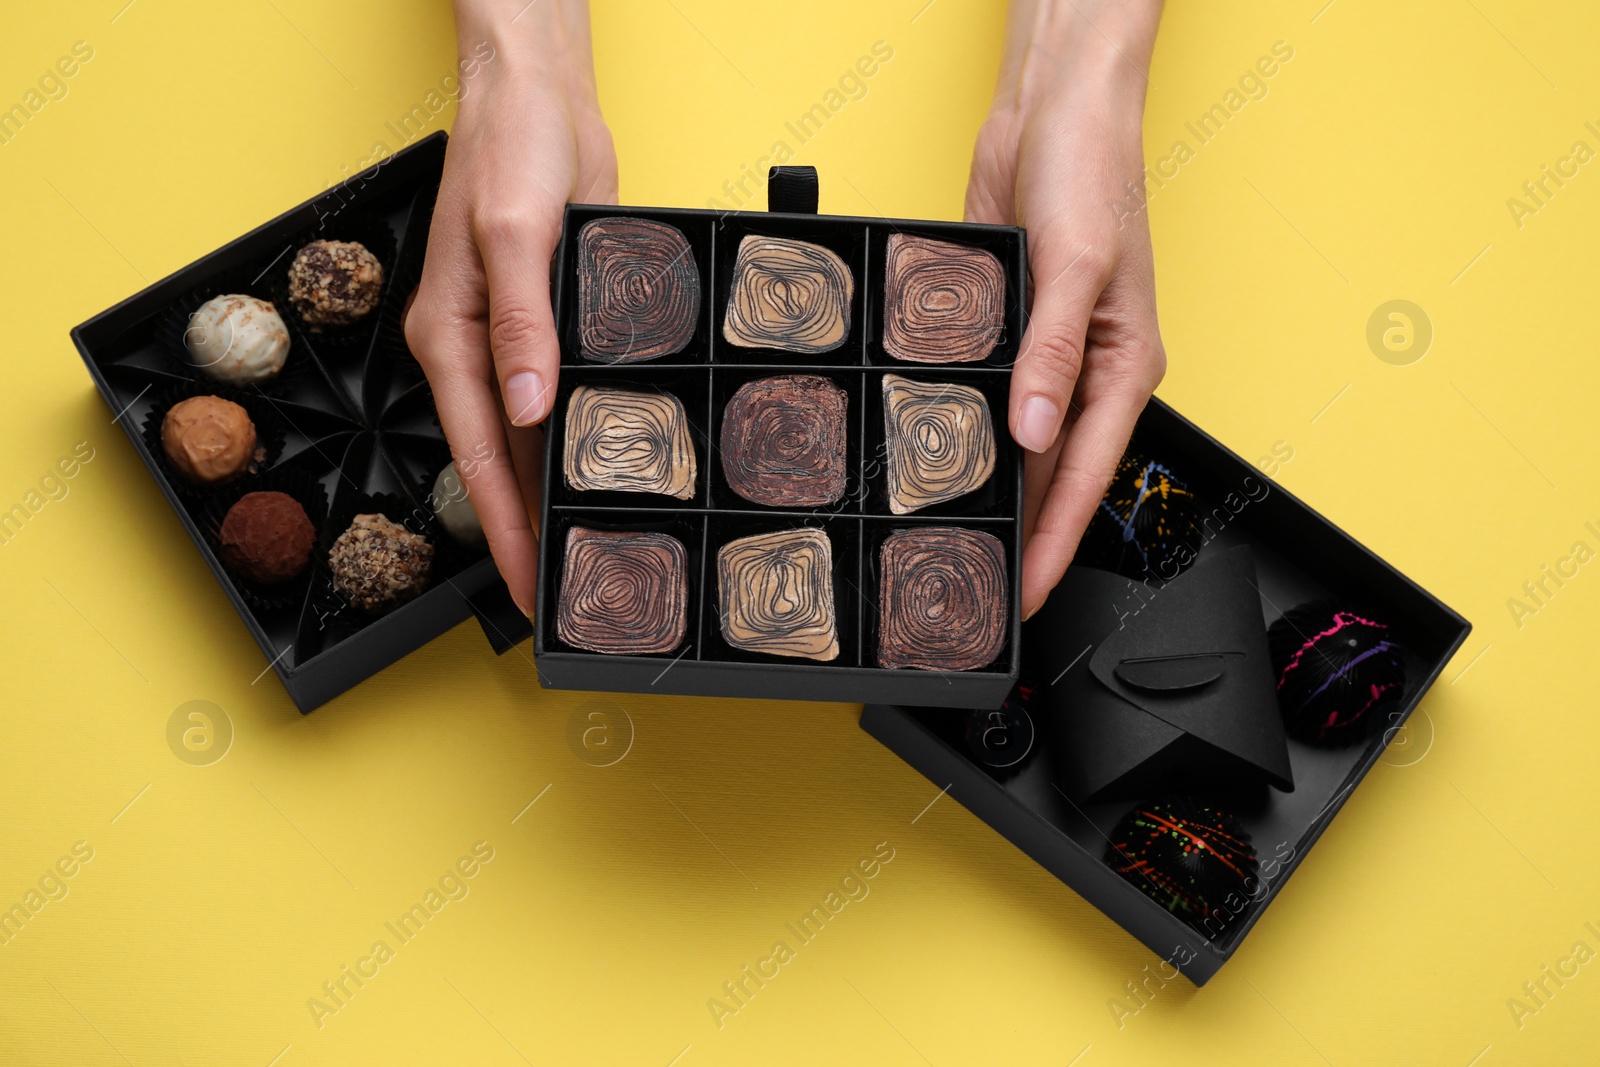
[(792, 190)]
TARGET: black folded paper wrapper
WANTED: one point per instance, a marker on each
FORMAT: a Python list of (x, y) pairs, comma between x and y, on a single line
[(1178, 690)]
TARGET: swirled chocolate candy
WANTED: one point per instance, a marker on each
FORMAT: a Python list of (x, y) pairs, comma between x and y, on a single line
[(1187, 857), (942, 302), (776, 594), (783, 441), (941, 599), (789, 295), (628, 441), (623, 592), (1334, 670), (1147, 523), (939, 439), (638, 290)]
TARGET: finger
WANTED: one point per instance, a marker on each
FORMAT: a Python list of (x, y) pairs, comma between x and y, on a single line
[(447, 331), (1089, 453), (1051, 355), (516, 254)]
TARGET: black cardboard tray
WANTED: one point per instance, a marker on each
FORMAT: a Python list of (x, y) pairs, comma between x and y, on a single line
[(1299, 556), (702, 376), (357, 415)]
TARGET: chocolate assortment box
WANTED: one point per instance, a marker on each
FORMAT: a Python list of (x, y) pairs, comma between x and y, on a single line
[(1217, 672), (268, 388), (777, 464)]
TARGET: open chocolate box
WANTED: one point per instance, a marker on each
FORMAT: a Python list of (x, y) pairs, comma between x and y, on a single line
[(348, 426), (707, 514), (1056, 795)]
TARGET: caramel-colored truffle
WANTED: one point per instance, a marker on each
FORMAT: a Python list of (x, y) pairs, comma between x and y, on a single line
[(378, 564), (334, 283), (267, 538), (208, 439), (237, 339)]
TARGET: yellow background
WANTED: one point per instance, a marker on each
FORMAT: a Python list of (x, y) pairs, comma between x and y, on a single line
[(1377, 167)]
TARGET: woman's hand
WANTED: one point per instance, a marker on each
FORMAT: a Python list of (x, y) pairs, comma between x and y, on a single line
[(1061, 154), (528, 138)]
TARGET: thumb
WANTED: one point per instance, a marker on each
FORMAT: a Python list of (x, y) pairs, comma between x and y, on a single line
[(522, 333), (1051, 355)]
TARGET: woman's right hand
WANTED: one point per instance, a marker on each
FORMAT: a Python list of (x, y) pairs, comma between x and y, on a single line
[(528, 139)]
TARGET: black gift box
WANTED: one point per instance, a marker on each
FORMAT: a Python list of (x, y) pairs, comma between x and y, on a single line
[(703, 376), (1298, 556), (357, 418)]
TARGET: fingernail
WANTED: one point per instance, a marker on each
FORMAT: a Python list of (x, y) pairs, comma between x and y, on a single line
[(517, 600), (1037, 424), (525, 398)]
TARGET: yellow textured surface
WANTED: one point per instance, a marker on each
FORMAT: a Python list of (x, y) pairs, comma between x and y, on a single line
[(220, 898)]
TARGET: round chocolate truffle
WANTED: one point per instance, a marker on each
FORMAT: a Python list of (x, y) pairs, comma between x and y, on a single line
[(267, 538), (1147, 525), (1336, 673), (455, 511), (1002, 739), (334, 283), (378, 564), (1193, 860), (237, 339), (208, 439)]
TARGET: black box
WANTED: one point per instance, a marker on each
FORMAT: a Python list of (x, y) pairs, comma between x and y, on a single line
[(355, 415), (1299, 556), (702, 376)]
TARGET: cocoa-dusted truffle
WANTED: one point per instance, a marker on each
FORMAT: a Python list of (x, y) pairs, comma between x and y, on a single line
[(783, 441), (776, 594), (789, 295), (267, 538), (334, 283), (456, 513), (1193, 860), (940, 442), (942, 594), (1337, 672), (378, 564), (237, 339), (208, 439), (629, 441), (942, 302), (623, 592), (638, 290)]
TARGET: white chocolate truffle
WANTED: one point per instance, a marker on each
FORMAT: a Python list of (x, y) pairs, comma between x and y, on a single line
[(455, 511), (237, 339)]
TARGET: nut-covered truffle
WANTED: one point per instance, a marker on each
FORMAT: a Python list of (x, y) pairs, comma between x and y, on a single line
[(334, 283), (267, 538), (237, 339), (378, 564), (208, 439)]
